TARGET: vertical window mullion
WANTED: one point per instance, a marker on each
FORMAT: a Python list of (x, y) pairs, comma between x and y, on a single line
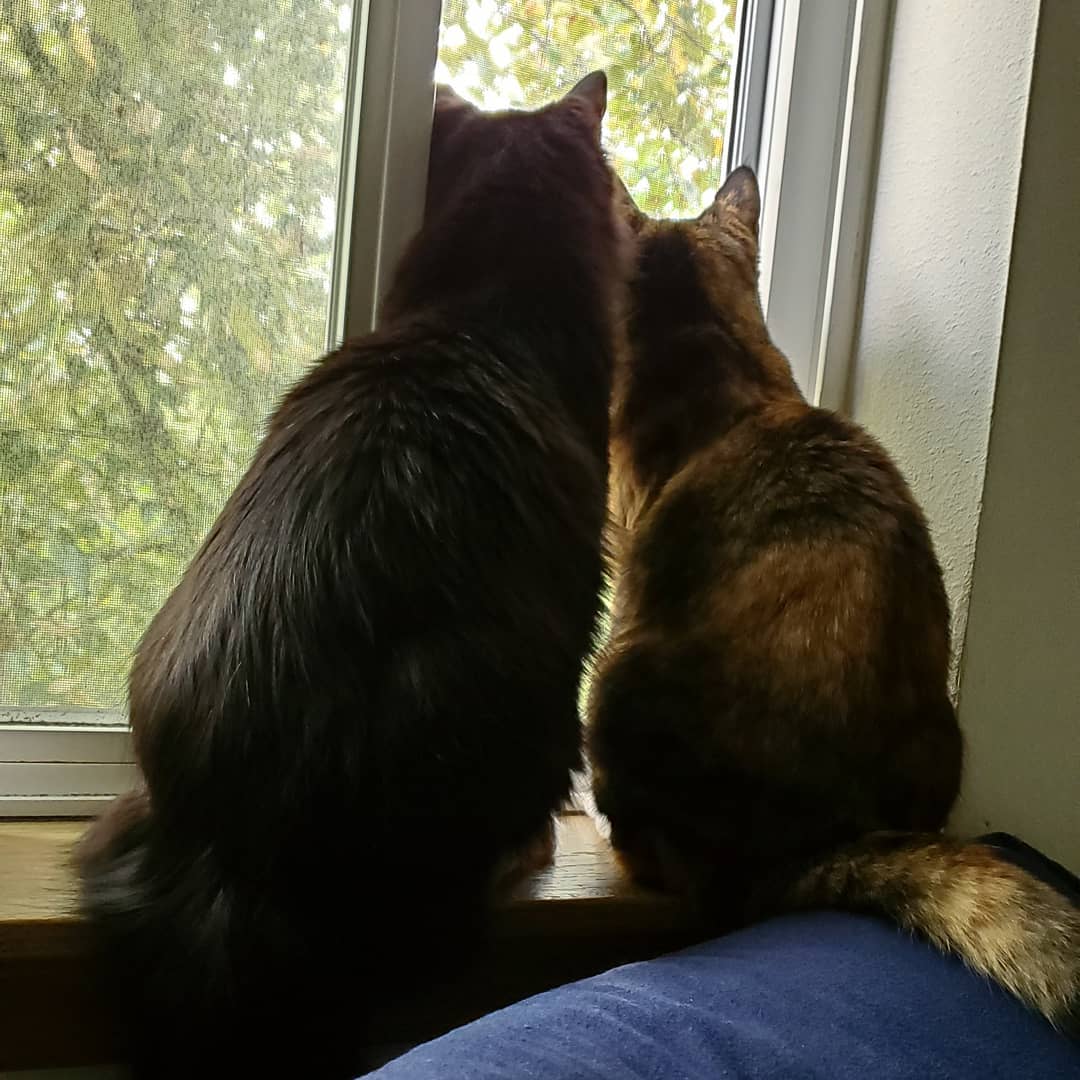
[(747, 110), (816, 185), (387, 178)]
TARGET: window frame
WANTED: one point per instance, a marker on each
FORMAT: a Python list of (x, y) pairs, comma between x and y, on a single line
[(804, 110), (818, 155)]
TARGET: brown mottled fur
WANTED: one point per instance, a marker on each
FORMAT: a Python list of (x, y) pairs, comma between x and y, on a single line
[(773, 697)]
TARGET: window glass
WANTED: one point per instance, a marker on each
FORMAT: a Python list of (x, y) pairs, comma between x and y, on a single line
[(168, 173), (669, 64)]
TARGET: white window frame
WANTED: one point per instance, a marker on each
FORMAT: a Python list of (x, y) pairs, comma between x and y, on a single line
[(804, 113), (68, 762), (818, 156)]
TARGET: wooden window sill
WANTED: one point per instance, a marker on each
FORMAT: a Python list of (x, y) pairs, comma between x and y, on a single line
[(578, 917)]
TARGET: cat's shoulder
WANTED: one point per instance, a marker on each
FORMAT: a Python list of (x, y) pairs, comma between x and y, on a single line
[(416, 369), (793, 463), (810, 428), (813, 449)]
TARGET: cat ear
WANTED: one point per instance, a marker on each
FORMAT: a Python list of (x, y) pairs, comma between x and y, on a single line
[(591, 92), (448, 100), (451, 112), (627, 208), (740, 195)]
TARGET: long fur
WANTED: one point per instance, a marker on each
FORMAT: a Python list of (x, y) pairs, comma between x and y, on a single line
[(964, 898), (360, 701), (774, 693)]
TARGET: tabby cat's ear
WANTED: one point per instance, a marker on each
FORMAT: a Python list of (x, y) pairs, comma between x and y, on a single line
[(740, 196), (591, 93)]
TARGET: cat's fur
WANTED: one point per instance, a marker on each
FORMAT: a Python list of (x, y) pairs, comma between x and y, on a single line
[(360, 701), (774, 693)]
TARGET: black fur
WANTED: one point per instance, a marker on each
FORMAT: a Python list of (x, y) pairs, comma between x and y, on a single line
[(361, 697)]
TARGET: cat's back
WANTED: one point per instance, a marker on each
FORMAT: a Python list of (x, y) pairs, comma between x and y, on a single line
[(792, 490), (793, 470), (422, 406), (444, 447), (788, 568), (783, 617), (418, 510)]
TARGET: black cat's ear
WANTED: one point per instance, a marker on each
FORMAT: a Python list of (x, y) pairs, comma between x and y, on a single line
[(591, 93), (451, 113), (627, 208), (448, 100), (739, 195)]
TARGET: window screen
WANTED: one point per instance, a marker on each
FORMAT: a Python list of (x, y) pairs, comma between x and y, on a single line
[(168, 172), (669, 65)]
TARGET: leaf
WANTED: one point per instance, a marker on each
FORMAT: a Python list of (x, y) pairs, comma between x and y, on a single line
[(83, 46), (85, 160), (130, 520), (144, 120), (108, 302), (114, 20)]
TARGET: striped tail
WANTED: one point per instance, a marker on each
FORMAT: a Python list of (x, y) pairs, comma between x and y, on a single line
[(966, 899)]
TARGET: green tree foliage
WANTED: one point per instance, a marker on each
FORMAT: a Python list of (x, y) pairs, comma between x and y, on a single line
[(168, 174), (668, 65)]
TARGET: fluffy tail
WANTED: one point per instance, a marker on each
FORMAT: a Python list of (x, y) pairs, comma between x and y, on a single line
[(162, 927), (198, 977), (965, 898)]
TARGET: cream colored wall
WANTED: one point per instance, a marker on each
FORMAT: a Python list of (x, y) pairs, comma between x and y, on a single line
[(1020, 673), (968, 369), (926, 356)]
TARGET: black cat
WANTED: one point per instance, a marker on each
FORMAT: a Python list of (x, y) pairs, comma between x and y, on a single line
[(360, 700)]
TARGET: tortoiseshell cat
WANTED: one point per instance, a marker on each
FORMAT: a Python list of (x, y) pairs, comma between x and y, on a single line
[(360, 700), (770, 726)]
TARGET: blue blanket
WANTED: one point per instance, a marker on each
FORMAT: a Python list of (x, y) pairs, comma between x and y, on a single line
[(824, 995)]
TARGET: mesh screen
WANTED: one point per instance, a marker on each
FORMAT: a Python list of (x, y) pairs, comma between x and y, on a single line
[(168, 171)]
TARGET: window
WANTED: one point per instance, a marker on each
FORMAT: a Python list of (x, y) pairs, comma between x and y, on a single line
[(669, 66), (196, 198), (168, 182)]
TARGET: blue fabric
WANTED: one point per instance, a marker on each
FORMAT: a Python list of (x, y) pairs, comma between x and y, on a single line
[(1035, 862), (825, 996)]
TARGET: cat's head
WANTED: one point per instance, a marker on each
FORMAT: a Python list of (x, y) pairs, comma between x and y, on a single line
[(513, 196), (471, 148), (517, 169), (709, 262), (699, 355)]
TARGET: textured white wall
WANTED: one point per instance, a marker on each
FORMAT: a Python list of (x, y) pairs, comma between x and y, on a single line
[(1020, 675), (926, 356)]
